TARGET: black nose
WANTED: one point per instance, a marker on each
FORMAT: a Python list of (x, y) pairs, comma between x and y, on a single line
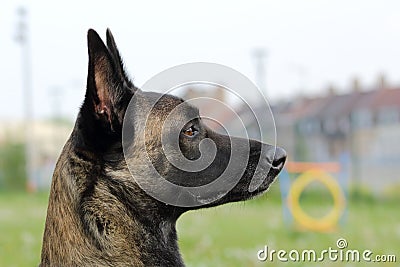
[(276, 157), (279, 158)]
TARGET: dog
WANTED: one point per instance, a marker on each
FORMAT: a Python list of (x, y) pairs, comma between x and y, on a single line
[(98, 214)]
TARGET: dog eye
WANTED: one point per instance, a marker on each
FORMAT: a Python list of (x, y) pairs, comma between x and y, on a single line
[(191, 131)]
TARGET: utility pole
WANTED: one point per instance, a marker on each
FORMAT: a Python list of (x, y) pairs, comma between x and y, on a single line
[(259, 58), (23, 39)]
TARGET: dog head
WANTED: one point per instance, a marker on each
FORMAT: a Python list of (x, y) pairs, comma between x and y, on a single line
[(146, 140)]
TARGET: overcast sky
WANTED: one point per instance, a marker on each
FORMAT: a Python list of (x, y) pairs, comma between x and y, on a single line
[(310, 44)]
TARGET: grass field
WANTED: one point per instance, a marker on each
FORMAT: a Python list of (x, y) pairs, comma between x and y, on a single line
[(225, 236)]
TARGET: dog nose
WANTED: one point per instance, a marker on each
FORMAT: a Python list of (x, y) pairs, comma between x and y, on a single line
[(279, 158), (276, 156)]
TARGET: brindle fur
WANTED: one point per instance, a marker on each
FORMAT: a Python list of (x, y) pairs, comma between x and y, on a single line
[(97, 214)]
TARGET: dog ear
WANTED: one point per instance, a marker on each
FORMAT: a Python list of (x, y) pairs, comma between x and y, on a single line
[(112, 47), (106, 92)]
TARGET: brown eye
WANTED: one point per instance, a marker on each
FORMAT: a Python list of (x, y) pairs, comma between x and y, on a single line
[(191, 131)]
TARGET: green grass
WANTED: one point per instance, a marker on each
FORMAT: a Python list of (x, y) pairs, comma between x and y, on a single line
[(22, 219), (229, 235)]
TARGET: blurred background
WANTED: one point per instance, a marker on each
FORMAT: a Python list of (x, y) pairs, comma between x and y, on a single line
[(329, 69)]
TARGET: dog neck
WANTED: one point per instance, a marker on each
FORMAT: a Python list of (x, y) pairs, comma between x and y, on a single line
[(96, 219)]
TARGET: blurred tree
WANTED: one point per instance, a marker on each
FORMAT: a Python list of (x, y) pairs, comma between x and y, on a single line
[(12, 166)]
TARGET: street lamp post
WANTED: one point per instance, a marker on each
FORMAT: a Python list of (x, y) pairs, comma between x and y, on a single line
[(23, 39)]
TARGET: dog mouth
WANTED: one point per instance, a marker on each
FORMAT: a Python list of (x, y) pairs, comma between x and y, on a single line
[(241, 191)]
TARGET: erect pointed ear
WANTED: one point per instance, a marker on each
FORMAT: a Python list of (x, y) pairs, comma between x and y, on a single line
[(112, 46), (105, 85)]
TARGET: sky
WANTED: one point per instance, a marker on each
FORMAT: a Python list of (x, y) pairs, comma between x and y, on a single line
[(310, 45)]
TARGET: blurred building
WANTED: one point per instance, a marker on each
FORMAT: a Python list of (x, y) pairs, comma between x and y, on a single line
[(362, 126)]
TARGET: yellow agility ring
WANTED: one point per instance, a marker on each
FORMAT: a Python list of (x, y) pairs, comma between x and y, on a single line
[(328, 221)]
